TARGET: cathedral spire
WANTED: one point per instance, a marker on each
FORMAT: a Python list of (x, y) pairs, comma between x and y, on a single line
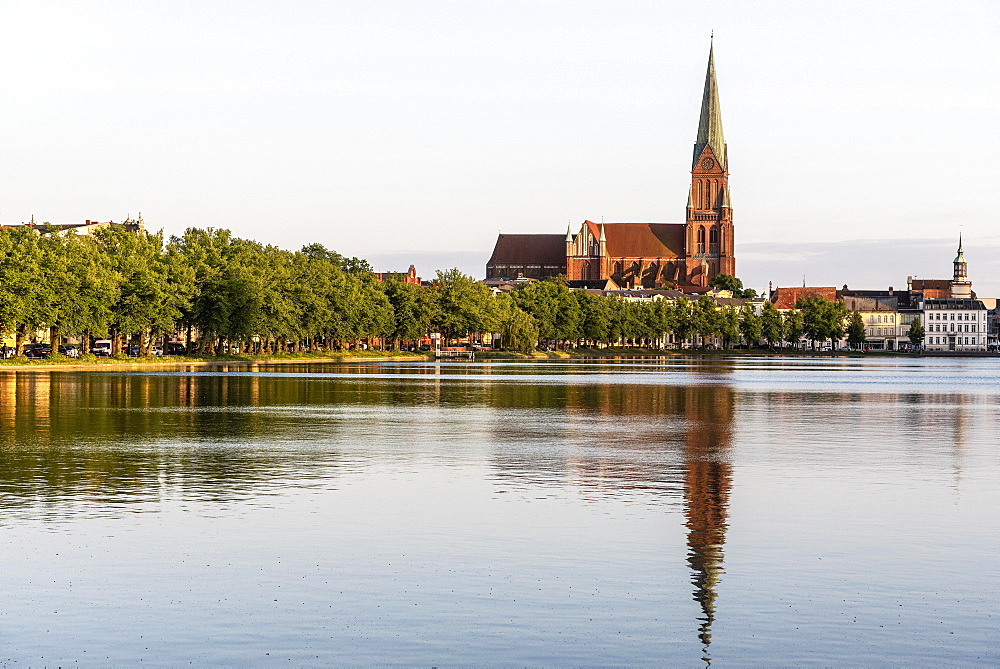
[(710, 123)]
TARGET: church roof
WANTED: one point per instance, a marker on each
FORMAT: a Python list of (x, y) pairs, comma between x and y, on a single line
[(522, 250), (644, 240), (710, 123)]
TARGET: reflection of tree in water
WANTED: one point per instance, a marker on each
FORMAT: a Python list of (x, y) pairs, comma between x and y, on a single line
[(122, 439)]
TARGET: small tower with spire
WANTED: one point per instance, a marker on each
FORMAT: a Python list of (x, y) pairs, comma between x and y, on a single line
[(961, 287), (709, 248)]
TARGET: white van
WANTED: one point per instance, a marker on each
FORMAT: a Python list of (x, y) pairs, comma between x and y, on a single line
[(101, 348)]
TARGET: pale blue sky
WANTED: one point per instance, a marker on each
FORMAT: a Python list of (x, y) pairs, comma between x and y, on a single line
[(421, 128)]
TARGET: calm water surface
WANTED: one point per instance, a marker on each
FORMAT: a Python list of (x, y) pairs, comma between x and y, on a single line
[(630, 512)]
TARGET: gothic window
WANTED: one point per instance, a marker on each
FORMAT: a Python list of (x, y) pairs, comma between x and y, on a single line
[(713, 239), (715, 193), (701, 240)]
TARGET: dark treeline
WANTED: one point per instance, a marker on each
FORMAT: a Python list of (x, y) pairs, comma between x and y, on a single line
[(226, 294)]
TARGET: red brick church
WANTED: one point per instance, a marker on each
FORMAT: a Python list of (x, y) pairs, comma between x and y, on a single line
[(647, 255)]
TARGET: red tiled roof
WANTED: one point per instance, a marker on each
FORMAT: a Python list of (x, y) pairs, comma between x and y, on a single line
[(642, 240), (933, 284), (785, 298), (521, 250)]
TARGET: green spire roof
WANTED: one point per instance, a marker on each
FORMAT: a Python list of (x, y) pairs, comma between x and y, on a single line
[(961, 256), (710, 123)]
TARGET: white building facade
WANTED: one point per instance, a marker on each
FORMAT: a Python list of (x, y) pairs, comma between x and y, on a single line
[(954, 324)]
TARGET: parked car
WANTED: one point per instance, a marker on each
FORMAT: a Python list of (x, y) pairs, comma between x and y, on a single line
[(69, 350), (176, 348), (36, 350)]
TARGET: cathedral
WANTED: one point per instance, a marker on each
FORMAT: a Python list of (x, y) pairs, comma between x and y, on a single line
[(643, 255)]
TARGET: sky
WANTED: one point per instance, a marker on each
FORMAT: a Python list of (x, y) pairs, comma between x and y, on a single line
[(862, 135)]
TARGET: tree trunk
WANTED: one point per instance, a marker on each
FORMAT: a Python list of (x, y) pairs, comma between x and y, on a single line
[(18, 341)]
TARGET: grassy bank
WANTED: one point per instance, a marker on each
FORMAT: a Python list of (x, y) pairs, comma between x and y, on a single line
[(118, 363), (123, 362)]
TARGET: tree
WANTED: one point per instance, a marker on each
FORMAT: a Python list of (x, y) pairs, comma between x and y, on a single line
[(463, 305), (751, 325), (683, 320), (705, 318), (727, 282), (794, 326), (772, 326), (596, 326), (732, 284), (855, 330), (23, 284), (822, 319), (518, 331), (916, 332), (729, 325), (412, 309)]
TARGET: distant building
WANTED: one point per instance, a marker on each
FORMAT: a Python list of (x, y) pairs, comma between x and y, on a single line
[(685, 256), (955, 324), (410, 276), (531, 256), (88, 227), (784, 299), (952, 317)]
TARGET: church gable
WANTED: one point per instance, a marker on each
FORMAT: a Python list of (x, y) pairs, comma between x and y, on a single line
[(708, 164)]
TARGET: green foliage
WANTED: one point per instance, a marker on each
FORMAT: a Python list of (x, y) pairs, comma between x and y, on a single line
[(794, 326), (729, 324), (855, 329), (772, 326), (821, 319), (751, 325), (463, 305), (917, 333), (732, 284), (705, 318)]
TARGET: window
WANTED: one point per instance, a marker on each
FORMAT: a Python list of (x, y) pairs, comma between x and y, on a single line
[(701, 240)]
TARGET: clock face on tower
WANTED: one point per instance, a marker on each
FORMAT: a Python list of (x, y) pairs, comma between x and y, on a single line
[(707, 163)]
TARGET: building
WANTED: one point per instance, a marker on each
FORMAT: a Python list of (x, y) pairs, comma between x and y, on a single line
[(887, 324), (409, 276), (682, 256), (955, 324), (88, 227)]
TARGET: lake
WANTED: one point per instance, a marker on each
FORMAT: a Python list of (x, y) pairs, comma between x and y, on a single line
[(679, 510)]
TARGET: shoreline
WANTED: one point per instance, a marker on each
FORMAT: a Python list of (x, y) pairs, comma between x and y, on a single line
[(180, 363)]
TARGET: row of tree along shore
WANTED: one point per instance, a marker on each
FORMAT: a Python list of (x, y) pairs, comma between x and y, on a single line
[(224, 294)]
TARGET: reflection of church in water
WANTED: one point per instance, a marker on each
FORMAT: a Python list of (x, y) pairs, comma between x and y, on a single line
[(692, 461)]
